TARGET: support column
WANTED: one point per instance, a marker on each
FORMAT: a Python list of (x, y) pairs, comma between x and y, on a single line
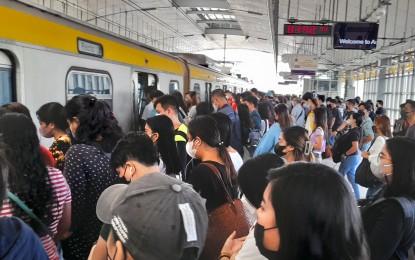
[(382, 80)]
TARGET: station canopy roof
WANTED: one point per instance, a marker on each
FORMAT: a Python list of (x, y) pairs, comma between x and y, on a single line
[(190, 26)]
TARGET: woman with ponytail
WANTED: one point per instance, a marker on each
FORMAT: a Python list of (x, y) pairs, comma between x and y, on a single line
[(87, 168), (205, 144), (294, 145), (210, 178)]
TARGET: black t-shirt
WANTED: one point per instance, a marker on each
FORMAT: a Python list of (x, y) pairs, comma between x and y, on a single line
[(338, 119), (208, 185), (352, 136)]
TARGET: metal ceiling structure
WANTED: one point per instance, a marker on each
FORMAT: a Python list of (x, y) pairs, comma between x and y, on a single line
[(174, 25), (196, 25), (396, 29)]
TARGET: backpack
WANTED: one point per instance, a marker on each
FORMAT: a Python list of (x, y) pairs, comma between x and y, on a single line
[(338, 149), (265, 126), (253, 140)]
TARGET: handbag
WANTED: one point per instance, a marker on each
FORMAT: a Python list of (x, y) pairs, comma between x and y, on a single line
[(229, 217), (364, 176)]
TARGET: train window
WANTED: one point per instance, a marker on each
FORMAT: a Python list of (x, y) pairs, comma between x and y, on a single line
[(6, 85), (95, 83), (173, 86), (196, 88)]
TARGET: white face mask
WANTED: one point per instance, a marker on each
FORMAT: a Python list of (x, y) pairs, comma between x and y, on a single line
[(189, 149), (378, 170)]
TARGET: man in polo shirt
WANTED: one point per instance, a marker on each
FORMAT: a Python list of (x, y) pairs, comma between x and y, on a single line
[(218, 99)]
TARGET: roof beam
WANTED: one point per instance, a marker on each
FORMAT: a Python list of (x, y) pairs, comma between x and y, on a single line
[(224, 31), (209, 12), (217, 21), (223, 4)]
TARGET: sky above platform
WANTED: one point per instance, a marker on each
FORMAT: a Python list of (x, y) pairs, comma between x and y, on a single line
[(257, 66)]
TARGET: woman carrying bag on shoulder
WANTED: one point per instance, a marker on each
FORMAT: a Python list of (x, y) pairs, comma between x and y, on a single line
[(382, 129), (389, 220), (215, 180)]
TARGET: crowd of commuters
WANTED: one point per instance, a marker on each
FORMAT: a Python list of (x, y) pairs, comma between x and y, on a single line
[(99, 193)]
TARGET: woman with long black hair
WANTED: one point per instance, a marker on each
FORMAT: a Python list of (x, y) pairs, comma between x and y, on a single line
[(87, 168), (389, 220), (43, 189), (214, 174), (318, 137), (161, 131), (270, 139), (205, 144)]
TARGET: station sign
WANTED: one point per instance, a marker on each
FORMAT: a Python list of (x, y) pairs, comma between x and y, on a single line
[(307, 30), (90, 48)]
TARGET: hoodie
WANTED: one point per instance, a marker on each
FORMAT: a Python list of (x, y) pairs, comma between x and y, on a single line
[(19, 241)]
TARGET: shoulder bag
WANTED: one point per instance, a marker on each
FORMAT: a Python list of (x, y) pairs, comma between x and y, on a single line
[(364, 176), (231, 216)]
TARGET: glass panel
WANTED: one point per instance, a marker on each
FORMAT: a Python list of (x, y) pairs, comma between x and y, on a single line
[(5, 86), (173, 86), (80, 82), (196, 88)]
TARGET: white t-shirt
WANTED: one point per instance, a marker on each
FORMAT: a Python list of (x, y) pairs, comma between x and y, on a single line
[(236, 160), (249, 250), (375, 150)]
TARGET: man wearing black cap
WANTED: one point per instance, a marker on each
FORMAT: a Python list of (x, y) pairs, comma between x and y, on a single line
[(155, 216)]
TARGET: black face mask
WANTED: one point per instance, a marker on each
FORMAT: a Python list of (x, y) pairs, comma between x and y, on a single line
[(278, 150), (259, 241)]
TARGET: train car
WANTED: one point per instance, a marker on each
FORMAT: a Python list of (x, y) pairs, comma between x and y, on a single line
[(46, 57)]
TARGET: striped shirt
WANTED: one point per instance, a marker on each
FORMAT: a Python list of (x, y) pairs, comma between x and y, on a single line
[(63, 196)]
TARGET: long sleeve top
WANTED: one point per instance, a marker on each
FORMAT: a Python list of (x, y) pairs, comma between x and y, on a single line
[(375, 150), (269, 140)]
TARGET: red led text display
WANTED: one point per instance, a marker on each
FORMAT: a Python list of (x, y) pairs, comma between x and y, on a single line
[(307, 30)]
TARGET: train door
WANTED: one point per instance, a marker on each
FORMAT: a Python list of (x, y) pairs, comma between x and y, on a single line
[(140, 82), (208, 90), (7, 90), (196, 88)]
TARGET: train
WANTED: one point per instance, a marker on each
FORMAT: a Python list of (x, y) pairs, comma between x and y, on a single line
[(45, 57)]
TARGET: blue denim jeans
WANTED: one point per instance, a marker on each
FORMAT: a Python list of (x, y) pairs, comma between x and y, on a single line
[(348, 167), (331, 140)]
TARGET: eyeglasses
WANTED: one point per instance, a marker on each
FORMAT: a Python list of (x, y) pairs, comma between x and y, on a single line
[(380, 157)]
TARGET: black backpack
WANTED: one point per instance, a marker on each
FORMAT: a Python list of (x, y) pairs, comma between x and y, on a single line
[(338, 149)]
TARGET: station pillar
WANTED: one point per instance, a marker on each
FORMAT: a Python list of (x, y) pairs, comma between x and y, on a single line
[(381, 80)]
